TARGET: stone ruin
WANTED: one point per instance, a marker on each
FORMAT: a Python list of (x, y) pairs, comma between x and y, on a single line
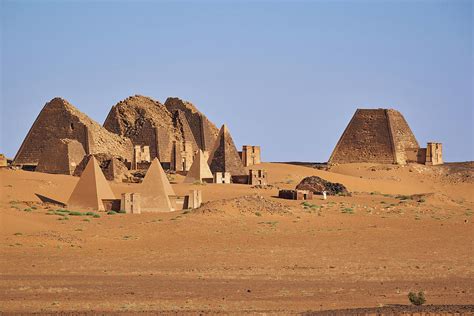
[(54, 130), (3, 161), (62, 156), (250, 155), (295, 194), (137, 130), (381, 136), (173, 131), (113, 167), (317, 185), (258, 177)]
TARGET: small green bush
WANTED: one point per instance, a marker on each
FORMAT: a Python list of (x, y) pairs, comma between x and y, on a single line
[(417, 299), (121, 212), (89, 213), (86, 220), (111, 213), (27, 210), (74, 213), (33, 207), (61, 210), (96, 216), (348, 210), (258, 214)]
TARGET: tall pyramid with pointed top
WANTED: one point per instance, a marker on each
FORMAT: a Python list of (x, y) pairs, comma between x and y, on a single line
[(155, 190), (199, 169), (91, 189), (376, 136), (224, 157)]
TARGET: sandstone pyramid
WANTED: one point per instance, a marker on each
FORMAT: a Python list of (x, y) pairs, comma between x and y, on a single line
[(224, 156), (376, 136), (61, 120), (155, 190), (61, 156), (91, 189), (148, 122), (199, 169)]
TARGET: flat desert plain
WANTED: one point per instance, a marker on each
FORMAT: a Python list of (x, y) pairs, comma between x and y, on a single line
[(405, 228)]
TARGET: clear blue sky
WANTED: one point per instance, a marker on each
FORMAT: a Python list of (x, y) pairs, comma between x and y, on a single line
[(284, 75)]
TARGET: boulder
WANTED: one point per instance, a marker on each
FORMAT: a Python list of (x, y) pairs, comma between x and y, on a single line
[(317, 185)]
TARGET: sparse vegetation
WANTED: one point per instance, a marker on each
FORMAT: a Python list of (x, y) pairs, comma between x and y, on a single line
[(27, 210), (258, 214), (111, 213), (347, 210), (18, 234), (74, 213), (417, 299)]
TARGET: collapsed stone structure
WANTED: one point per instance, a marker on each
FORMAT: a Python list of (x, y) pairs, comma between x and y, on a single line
[(379, 136), (173, 131), (113, 167), (318, 185), (60, 120)]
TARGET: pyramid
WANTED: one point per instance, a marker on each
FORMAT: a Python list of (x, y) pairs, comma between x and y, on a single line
[(199, 169), (59, 120), (91, 189), (375, 136), (224, 157), (155, 190)]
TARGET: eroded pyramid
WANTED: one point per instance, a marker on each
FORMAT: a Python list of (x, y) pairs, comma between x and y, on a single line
[(375, 136), (91, 189), (199, 169), (155, 190), (224, 157)]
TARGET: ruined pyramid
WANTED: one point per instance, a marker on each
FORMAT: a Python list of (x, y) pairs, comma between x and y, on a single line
[(91, 189), (199, 169), (59, 120), (376, 136), (224, 157), (155, 190)]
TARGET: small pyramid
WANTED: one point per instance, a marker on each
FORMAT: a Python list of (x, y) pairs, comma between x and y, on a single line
[(199, 169), (224, 157), (91, 189), (155, 190)]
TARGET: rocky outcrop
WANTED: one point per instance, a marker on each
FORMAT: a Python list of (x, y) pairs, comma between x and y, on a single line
[(317, 185)]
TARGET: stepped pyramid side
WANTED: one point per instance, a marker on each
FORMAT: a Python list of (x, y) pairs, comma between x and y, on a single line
[(224, 157), (376, 136), (182, 125), (199, 169), (61, 120), (155, 190), (62, 156), (204, 131), (145, 122), (91, 189)]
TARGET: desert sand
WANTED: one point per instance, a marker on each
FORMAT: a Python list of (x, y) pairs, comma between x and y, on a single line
[(405, 228)]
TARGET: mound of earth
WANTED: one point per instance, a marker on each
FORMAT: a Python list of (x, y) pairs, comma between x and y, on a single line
[(317, 185), (248, 204)]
